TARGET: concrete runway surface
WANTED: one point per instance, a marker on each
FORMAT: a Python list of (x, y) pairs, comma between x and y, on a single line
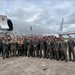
[(35, 66)]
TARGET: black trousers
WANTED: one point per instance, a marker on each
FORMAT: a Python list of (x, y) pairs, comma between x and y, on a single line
[(25, 51), (57, 54), (45, 51), (1, 50)]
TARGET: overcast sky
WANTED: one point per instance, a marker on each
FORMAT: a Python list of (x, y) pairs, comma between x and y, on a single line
[(42, 12)]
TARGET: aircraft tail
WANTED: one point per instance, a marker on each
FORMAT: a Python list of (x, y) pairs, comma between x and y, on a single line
[(61, 26)]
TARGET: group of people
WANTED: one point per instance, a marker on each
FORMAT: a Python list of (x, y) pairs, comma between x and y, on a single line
[(38, 46)]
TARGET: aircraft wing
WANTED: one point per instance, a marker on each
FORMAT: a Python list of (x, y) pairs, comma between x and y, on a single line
[(3, 22), (68, 33)]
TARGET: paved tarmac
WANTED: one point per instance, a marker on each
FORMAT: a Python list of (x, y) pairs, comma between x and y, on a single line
[(35, 66)]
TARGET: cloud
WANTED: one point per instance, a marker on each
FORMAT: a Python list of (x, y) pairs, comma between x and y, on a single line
[(2, 6), (71, 18), (33, 18), (69, 27), (42, 12), (2, 2)]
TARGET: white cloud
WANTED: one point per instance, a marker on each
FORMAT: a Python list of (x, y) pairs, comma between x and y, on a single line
[(47, 13), (2, 2), (69, 27), (33, 18)]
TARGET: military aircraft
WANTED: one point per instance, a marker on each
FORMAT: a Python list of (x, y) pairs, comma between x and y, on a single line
[(6, 26)]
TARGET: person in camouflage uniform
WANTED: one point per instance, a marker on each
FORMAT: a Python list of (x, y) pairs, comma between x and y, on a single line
[(49, 50), (56, 46), (52, 47), (13, 49), (30, 47), (5, 48)]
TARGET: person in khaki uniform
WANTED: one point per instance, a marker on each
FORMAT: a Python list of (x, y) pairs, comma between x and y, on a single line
[(20, 47), (63, 49), (13, 49)]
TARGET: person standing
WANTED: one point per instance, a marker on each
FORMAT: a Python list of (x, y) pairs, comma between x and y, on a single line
[(71, 45), (25, 44), (56, 46), (42, 47), (45, 47), (20, 47), (13, 43), (63, 49), (49, 50), (1, 52), (5, 48), (39, 46), (35, 47)]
